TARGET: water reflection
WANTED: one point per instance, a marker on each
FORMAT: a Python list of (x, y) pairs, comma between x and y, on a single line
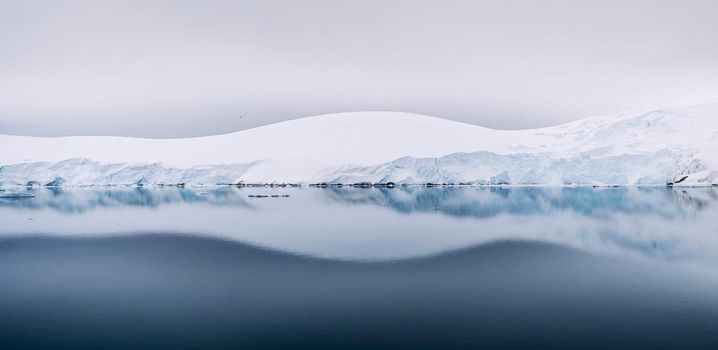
[(80, 200), (678, 225), (187, 292), (345, 268), (492, 201), (478, 202)]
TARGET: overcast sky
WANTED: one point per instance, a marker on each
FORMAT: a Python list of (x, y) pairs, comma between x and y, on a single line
[(189, 68)]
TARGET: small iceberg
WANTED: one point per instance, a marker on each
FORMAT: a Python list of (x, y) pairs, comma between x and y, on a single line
[(268, 196)]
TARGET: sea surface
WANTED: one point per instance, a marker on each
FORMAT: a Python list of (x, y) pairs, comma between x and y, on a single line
[(354, 268)]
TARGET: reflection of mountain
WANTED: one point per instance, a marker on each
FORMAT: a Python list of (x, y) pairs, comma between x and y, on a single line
[(480, 202), (369, 224), (191, 292), (492, 201)]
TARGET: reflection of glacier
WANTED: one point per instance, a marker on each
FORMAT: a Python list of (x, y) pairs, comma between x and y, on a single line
[(492, 201), (81, 200), (387, 224), (479, 202)]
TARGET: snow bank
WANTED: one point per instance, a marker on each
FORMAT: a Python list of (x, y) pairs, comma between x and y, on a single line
[(677, 146)]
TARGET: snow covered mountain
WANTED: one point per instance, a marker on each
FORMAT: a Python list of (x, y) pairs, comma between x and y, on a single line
[(675, 145)]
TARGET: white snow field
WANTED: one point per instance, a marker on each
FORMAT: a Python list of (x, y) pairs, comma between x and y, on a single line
[(652, 147)]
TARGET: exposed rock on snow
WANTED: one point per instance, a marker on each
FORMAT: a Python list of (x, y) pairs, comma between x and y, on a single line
[(676, 146)]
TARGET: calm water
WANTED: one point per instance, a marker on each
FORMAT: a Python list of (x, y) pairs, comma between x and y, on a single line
[(440, 268)]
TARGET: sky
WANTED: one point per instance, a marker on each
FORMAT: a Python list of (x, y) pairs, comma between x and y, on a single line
[(191, 68)]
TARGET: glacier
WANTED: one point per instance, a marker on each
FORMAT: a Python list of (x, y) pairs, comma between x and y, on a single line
[(675, 146)]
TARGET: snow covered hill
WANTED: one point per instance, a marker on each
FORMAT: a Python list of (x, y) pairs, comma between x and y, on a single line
[(676, 145)]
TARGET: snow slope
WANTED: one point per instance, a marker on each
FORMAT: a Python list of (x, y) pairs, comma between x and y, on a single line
[(633, 148)]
